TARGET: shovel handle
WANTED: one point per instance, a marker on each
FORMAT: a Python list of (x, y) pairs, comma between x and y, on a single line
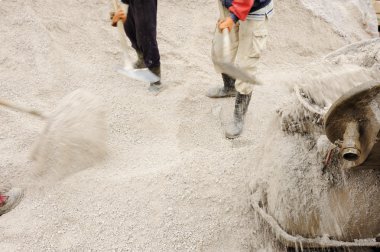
[(116, 5), (123, 39), (22, 109), (221, 9), (226, 45), (226, 37)]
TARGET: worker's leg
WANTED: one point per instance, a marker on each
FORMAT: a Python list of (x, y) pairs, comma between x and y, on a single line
[(130, 28), (145, 20), (252, 42), (235, 127), (218, 56)]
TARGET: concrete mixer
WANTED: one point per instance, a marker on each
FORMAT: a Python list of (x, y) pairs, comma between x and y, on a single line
[(326, 194)]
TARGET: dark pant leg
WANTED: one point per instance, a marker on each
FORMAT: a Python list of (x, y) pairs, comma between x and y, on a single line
[(130, 30), (145, 19)]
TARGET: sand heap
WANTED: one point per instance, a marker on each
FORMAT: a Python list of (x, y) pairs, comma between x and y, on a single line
[(347, 17), (171, 181)]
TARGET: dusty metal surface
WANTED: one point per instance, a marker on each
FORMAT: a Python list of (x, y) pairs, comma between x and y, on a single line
[(359, 106)]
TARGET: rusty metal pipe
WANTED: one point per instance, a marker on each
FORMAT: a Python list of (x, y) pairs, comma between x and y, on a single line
[(351, 147)]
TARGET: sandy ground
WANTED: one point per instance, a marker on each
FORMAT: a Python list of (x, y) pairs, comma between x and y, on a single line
[(171, 182)]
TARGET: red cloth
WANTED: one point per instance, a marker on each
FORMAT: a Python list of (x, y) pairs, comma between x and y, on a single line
[(241, 8), (3, 199)]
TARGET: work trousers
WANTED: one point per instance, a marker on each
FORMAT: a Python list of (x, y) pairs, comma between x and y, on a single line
[(141, 29), (248, 40)]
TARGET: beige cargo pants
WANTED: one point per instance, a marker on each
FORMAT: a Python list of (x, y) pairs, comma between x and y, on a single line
[(248, 40)]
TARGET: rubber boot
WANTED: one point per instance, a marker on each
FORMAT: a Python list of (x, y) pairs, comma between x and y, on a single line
[(228, 90), (235, 128), (140, 61), (12, 199), (155, 86)]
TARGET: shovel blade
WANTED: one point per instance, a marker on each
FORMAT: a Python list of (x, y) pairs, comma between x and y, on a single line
[(237, 73), (143, 74)]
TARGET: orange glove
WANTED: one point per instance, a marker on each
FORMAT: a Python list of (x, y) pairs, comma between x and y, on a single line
[(226, 23), (119, 15)]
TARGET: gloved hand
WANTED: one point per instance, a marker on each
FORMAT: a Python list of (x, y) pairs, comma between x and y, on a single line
[(226, 23), (118, 15)]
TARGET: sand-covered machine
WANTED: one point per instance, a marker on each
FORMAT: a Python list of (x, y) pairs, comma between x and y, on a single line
[(323, 189)]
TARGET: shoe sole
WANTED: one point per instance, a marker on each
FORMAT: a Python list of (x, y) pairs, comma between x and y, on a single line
[(155, 90), (225, 96), (231, 137)]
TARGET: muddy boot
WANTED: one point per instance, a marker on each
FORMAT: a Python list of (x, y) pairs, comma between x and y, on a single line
[(228, 90), (235, 128), (140, 61), (10, 200), (156, 86)]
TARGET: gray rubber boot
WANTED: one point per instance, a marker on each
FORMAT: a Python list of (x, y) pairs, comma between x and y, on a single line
[(228, 90), (140, 61), (14, 197), (235, 128), (156, 86)]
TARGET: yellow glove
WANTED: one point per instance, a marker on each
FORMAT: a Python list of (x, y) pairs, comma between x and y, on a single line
[(226, 23)]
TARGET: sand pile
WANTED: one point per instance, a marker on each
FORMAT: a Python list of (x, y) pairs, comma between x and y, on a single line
[(347, 17), (171, 181)]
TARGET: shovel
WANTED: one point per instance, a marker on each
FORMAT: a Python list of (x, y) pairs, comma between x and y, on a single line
[(19, 108), (143, 74), (74, 136), (228, 67)]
